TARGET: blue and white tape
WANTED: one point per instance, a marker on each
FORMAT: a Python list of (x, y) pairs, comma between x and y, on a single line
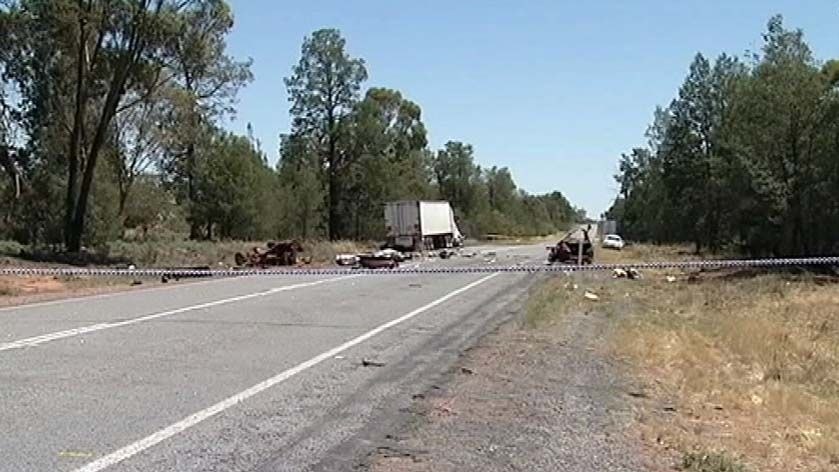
[(527, 268)]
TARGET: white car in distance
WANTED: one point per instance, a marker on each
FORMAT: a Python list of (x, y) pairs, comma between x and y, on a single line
[(613, 241)]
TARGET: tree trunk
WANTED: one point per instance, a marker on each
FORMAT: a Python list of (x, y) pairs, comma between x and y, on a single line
[(334, 184), (8, 164), (71, 239), (334, 203), (123, 198), (119, 78), (194, 226)]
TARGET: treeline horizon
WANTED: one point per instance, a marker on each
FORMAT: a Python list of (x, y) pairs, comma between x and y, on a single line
[(110, 126), (745, 158)]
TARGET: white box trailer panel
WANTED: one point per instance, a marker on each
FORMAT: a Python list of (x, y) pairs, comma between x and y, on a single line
[(436, 218), (402, 218)]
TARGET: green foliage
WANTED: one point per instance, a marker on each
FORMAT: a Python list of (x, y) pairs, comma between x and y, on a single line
[(114, 132), (234, 190), (745, 156), (323, 90)]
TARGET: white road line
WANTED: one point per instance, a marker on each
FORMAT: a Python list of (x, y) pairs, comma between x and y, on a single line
[(133, 449), (45, 338)]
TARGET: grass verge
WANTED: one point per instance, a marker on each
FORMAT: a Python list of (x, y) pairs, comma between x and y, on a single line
[(740, 371)]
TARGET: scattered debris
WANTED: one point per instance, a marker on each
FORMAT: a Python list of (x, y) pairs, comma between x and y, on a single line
[(392, 253), (283, 253), (178, 273), (630, 273), (368, 363), (569, 249), (466, 370), (670, 279), (134, 283), (377, 261), (591, 296), (339, 357), (346, 259), (447, 253), (415, 285)]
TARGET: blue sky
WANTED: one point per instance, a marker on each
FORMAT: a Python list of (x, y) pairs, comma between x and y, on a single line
[(554, 90)]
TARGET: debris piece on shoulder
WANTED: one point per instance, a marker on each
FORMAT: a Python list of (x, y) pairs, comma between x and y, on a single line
[(466, 370), (346, 259), (630, 273), (369, 363), (670, 279), (591, 296)]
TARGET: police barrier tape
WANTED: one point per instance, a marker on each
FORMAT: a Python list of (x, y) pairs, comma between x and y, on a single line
[(476, 269)]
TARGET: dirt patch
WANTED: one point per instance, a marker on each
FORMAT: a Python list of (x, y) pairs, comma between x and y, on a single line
[(531, 396), (20, 290)]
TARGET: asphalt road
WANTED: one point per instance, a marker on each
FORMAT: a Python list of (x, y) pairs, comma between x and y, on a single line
[(242, 374)]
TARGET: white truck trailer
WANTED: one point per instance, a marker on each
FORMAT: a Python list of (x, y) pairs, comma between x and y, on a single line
[(416, 225)]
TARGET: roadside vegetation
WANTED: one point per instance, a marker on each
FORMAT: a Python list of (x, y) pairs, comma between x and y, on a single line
[(141, 254), (736, 370), (111, 129), (744, 158)]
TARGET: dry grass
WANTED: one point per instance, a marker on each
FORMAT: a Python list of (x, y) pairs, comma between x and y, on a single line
[(177, 253), (749, 362), (507, 240), (643, 253), (740, 371), (549, 301)]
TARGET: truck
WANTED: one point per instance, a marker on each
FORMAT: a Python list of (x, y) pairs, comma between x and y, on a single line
[(417, 225)]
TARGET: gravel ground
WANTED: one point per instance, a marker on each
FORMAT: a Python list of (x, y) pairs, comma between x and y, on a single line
[(522, 399)]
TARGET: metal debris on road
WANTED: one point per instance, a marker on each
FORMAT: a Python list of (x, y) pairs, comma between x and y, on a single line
[(591, 296), (368, 363), (630, 273), (346, 259), (283, 253)]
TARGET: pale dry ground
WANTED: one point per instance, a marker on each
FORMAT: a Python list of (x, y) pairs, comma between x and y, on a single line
[(741, 365)]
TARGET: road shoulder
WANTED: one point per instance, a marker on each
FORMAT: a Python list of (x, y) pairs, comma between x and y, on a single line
[(521, 398)]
